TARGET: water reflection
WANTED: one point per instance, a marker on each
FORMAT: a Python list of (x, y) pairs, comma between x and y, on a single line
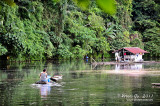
[(45, 91), (132, 66), (104, 85)]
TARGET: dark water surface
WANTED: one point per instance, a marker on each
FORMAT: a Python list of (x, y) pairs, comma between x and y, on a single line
[(82, 84)]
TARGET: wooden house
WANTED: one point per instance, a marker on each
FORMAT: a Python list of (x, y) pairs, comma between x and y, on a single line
[(128, 54)]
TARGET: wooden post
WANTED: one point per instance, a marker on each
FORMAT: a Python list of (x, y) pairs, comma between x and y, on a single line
[(123, 54), (94, 60)]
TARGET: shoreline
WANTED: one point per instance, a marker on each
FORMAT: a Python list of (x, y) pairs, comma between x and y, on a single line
[(114, 63)]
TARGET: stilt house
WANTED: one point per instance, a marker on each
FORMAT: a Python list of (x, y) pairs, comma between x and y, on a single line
[(127, 54)]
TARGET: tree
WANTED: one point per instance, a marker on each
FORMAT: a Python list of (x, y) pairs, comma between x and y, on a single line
[(146, 20)]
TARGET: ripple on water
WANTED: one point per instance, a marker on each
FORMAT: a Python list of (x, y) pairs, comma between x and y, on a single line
[(73, 89), (45, 85)]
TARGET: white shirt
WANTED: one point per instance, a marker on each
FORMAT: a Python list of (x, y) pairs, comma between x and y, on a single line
[(116, 54), (43, 76)]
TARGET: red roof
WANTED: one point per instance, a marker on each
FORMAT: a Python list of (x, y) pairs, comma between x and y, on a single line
[(135, 50)]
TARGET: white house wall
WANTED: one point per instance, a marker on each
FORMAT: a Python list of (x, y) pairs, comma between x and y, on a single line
[(136, 58)]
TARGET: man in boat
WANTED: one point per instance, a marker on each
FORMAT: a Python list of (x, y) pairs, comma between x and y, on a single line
[(43, 76)]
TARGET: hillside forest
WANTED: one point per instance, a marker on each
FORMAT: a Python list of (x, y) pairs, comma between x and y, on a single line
[(61, 29)]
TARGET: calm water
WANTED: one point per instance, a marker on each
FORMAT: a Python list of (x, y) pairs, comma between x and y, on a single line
[(82, 84)]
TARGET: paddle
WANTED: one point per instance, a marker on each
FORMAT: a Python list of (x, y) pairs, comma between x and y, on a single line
[(53, 79)]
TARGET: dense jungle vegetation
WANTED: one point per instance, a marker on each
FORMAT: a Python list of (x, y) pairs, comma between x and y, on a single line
[(59, 29)]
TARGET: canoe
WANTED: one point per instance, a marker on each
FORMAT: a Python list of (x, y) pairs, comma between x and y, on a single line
[(156, 84), (40, 82), (55, 78)]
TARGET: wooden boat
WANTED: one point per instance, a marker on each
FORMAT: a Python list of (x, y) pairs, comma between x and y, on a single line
[(41, 82), (55, 78), (156, 84)]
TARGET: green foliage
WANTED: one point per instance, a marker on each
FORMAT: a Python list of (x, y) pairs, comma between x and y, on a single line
[(109, 6), (146, 16), (137, 43), (3, 50), (63, 51), (117, 37), (152, 41), (84, 4), (78, 52), (82, 36), (9, 2), (87, 35), (123, 16), (24, 38), (110, 32), (101, 45), (40, 29), (143, 24), (96, 23), (118, 42)]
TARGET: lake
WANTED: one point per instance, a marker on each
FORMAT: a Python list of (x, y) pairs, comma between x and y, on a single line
[(82, 85)]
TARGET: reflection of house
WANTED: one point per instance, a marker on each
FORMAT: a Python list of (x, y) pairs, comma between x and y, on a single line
[(130, 54), (128, 66)]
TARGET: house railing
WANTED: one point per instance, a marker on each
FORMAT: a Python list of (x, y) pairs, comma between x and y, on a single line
[(129, 57)]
